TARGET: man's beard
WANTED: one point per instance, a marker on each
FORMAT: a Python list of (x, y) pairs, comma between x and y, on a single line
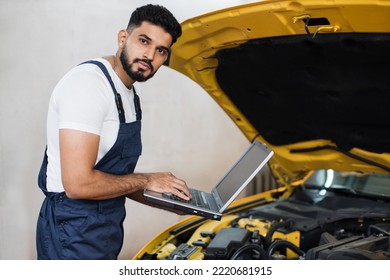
[(137, 75)]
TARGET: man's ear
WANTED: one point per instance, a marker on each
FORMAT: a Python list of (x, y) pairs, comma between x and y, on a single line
[(122, 36)]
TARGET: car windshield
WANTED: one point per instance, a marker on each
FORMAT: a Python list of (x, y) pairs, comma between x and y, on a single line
[(375, 185)]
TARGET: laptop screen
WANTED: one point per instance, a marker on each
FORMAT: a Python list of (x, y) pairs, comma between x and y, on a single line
[(245, 169)]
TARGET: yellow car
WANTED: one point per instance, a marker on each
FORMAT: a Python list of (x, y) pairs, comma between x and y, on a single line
[(311, 80)]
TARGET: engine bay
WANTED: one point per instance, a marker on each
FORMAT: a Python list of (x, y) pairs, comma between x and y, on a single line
[(309, 225)]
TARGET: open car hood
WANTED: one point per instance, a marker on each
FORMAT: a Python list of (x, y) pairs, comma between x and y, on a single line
[(310, 79)]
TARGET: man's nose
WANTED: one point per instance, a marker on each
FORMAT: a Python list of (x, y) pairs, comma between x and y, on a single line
[(149, 54)]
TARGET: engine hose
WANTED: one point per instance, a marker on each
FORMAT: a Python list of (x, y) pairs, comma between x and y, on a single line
[(263, 253), (286, 244), (273, 229)]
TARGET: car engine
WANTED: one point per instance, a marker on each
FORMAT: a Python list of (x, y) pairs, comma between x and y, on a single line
[(309, 225)]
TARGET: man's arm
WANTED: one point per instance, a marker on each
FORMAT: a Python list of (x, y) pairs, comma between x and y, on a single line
[(79, 151)]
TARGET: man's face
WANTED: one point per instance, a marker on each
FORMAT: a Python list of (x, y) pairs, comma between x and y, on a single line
[(146, 48)]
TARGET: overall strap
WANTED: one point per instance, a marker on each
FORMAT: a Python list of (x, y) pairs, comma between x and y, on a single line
[(118, 99), (137, 105)]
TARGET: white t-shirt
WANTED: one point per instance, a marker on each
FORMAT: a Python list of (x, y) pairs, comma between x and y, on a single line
[(83, 100)]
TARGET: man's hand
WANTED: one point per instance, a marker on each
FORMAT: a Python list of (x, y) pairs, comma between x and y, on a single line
[(166, 182)]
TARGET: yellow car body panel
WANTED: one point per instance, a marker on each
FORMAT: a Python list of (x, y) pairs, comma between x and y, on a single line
[(194, 56)]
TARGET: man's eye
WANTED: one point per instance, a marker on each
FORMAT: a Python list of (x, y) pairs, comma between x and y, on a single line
[(143, 41), (162, 51)]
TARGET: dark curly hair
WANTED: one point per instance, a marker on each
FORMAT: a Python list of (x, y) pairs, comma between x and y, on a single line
[(157, 15)]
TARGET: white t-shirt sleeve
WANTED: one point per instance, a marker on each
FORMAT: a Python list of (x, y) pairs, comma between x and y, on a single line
[(81, 99)]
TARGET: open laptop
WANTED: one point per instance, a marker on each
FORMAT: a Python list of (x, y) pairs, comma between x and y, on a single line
[(225, 191)]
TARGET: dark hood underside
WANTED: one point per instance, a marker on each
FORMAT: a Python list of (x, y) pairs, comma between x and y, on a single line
[(299, 88)]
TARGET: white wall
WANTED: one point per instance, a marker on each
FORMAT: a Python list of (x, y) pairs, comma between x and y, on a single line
[(184, 131)]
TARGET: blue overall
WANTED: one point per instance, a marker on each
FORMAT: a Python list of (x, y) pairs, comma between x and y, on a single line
[(90, 229)]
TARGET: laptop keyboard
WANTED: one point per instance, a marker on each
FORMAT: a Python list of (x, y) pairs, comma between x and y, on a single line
[(196, 199)]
